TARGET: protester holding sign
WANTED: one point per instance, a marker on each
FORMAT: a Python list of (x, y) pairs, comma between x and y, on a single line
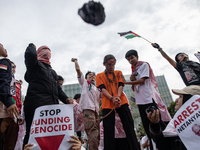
[(53, 128), (89, 105), (188, 70), (169, 139), (43, 88), (111, 84)]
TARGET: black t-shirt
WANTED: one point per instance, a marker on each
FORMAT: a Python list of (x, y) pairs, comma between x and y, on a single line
[(189, 76)]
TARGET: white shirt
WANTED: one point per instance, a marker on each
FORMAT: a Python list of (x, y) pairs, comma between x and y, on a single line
[(89, 98), (143, 92), (143, 140)]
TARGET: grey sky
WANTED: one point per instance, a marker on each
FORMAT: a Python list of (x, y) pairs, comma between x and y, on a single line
[(175, 25)]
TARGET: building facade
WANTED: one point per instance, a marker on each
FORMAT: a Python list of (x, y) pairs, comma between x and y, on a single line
[(72, 89)]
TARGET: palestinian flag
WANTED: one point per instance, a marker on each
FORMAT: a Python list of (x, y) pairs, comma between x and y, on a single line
[(129, 34)]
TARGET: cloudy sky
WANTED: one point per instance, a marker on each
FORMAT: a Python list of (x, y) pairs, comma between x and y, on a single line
[(174, 25)]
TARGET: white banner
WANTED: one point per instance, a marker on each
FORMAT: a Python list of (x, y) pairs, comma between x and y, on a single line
[(198, 56), (51, 127), (187, 123)]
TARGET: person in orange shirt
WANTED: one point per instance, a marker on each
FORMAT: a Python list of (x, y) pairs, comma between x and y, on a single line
[(111, 85)]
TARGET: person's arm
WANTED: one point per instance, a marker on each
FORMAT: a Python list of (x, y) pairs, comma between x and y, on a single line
[(61, 95), (140, 81), (169, 59), (122, 76), (77, 67), (107, 94), (145, 144), (115, 100), (30, 55), (119, 91)]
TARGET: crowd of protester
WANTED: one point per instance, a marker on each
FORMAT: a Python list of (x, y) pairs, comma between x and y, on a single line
[(116, 131)]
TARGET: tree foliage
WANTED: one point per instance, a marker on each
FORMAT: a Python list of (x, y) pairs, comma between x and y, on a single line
[(171, 109), (141, 130)]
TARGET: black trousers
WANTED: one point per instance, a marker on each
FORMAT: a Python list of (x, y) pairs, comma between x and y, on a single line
[(109, 129), (1, 142), (29, 113)]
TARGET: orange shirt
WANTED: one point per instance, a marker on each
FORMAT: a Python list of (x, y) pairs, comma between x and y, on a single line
[(102, 79)]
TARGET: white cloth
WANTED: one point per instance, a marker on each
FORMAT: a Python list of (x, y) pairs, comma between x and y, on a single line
[(21, 134), (170, 130), (143, 92), (90, 98), (78, 118), (143, 140), (198, 56)]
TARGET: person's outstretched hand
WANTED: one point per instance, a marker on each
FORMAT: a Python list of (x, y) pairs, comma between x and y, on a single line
[(74, 59), (155, 45)]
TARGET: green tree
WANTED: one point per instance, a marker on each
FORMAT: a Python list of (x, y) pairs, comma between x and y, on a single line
[(141, 130), (171, 109), (23, 98)]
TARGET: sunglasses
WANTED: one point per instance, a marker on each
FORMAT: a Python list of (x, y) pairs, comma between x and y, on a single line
[(181, 54)]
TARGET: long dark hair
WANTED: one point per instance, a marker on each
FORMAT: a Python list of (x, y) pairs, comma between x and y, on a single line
[(186, 97)]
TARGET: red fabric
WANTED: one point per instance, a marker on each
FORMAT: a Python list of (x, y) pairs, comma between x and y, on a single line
[(152, 77), (88, 82), (17, 96), (44, 54)]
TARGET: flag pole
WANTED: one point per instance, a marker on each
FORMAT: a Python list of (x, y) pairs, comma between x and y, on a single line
[(146, 39)]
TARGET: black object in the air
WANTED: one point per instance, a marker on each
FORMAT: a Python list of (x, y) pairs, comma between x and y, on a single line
[(92, 12)]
